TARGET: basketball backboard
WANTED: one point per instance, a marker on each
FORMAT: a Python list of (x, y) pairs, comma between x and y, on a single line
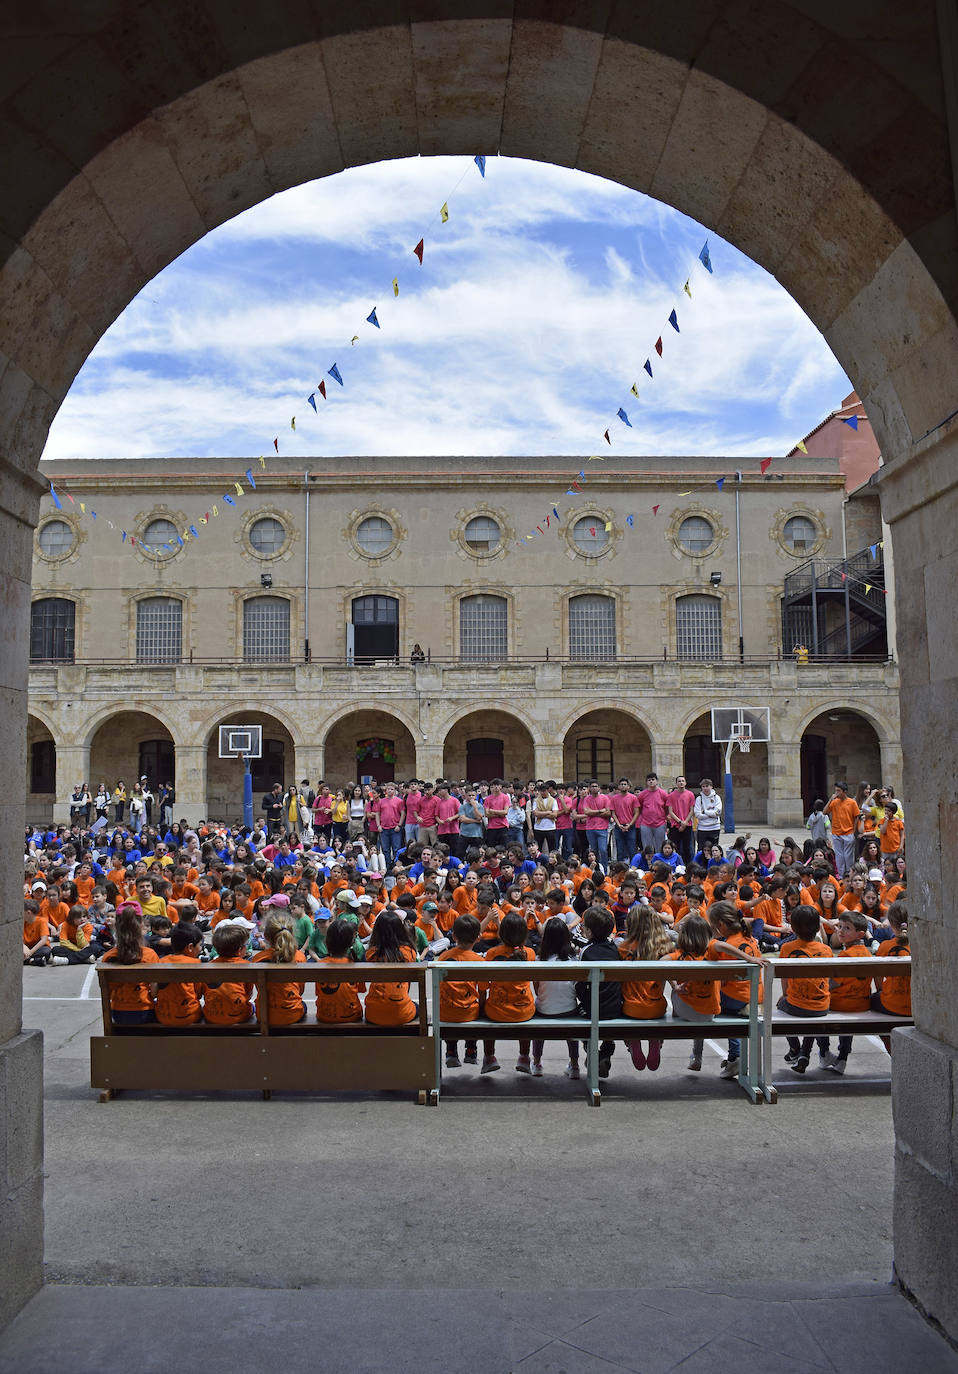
[(241, 741), (735, 722)]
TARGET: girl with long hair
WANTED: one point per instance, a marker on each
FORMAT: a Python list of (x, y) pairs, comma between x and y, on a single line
[(132, 1004)]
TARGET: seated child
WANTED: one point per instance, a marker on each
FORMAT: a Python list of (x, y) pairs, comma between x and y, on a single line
[(228, 1004), (694, 1000), (36, 935), (645, 938), (598, 924), (389, 1004), (161, 929), (733, 941), (338, 1003), (178, 1004), (132, 1003), (805, 996), (73, 944), (505, 1001), (459, 1001), (849, 994), (893, 995), (284, 1000)]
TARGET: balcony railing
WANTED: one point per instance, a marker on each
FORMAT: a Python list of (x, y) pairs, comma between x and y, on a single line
[(453, 661)]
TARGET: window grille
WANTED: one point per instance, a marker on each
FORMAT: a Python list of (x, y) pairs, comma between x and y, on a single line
[(799, 534), (375, 536), (156, 534), (590, 534), (592, 628), (483, 628), (267, 536), (375, 610), (55, 538), (266, 629), (696, 534), (593, 759), (159, 630), (482, 534), (698, 627), (52, 630)]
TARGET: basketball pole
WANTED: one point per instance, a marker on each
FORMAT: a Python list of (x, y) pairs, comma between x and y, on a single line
[(729, 805), (247, 793)]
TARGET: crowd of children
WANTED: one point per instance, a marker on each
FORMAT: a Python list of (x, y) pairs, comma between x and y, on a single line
[(243, 896)]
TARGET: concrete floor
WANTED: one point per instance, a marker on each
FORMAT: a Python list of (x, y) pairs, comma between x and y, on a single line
[(511, 1227)]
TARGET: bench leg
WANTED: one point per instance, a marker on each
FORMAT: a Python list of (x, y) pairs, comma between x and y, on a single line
[(422, 1097), (594, 1097), (107, 1094), (434, 1097), (267, 1094)]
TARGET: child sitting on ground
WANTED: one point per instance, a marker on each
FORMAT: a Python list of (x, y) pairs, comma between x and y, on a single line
[(36, 935), (808, 996)]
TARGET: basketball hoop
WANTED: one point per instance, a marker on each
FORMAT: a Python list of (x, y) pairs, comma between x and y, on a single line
[(745, 743), (740, 733)]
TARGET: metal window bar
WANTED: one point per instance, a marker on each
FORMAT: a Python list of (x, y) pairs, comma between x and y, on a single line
[(266, 629), (375, 610), (483, 628), (696, 534), (267, 535), (698, 627), (159, 630), (52, 631), (592, 628)]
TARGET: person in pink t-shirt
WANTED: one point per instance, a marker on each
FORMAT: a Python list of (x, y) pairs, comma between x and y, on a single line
[(428, 813), (625, 810), (679, 817), (413, 798), (447, 818), (496, 806), (390, 810), (568, 800), (653, 807), (597, 808)]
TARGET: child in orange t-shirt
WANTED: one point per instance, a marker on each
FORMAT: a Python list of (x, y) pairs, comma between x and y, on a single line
[(459, 1000), (851, 993), (892, 830), (807, 996), (178, 1004), (505, 1001), (229, 1004), (132, 1004), (284, 1000), (36, 934), (389, 1004), (734, 942), (644, 1000), (338, 1003), (697, 1000), (893, 995)]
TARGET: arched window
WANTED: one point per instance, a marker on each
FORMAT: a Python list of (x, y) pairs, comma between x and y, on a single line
[(589, 534), (55, 538), (483, 628), (698, 627), (267, 535), (52, 625), (159, 630), (157, 533), (592, 627), (799, 534), (696, 534), (482, 534), (266, 629), (375, 628)]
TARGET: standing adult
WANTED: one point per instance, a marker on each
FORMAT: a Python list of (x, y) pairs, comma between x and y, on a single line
[(272, 807), (496, 807), (148, 798), (166, 797), (708, 813), (390, 811), (413, 798), (542, 811), (843, 811), (596, 806), (679, 817), (472, 821), (427, 831), (625, 811), (652, 812)]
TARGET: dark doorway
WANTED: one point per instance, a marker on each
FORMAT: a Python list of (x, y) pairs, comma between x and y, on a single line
[(703, 759), (270, 768), (376, 628), (814, 772), (593, 759), (43, 766), (376, 759), (157, 761), (484, 760)]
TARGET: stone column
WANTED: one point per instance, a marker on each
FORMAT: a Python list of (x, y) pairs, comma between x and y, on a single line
[(190, 789), (548, 762), (920, 501), (73, 766), (21, 1052), (891, 764), (428, 760), (668, 760), (309, 762), (785, 805)]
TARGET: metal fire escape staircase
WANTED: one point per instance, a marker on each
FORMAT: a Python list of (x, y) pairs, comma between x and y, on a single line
[(836, 608)]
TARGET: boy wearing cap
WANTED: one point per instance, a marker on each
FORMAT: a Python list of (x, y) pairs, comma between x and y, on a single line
[(428, 923)]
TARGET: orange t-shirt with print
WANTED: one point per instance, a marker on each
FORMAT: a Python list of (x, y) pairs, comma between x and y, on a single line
[(895, 991), (132, 996), (851, 994), (510, 1001), (207, 902), (184, 892), (389, 1004), (178, 1004), (284, 1000), (337, 1003), (465, 900), (703, 994), (771, 911), (811, 992), (645, 999), (459, 1001), (228, 1004)]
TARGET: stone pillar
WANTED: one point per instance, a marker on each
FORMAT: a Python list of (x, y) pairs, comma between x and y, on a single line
[(548, 762), (73, 766), (428, 760), (785, 806), (190, 789), (920, 501), (21, 1052), (668, 760), (309, 762), (892, 762)]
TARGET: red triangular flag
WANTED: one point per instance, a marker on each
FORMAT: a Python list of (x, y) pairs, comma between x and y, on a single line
[(322, 388), (606, 437), (276, 445), (655, 510), (418, 251), (764, 465), (592, 530), (658, 345)]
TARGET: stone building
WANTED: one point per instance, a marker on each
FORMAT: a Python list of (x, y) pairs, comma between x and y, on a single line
[(595, 649)]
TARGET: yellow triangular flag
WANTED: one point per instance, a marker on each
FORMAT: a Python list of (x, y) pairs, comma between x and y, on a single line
[(801, 445), (608, 525), (635, 390), (203, 520), (596, 458), (83, 508), (262, 461), (239, 489), (444, 211), (354, 339), (687, 289), (395, 286), (868, 587), (685, 493), (881, 543), (292, 423), (215, 511)]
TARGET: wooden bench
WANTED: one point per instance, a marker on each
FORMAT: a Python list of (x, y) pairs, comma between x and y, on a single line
[(593, 1029), (780, 1023), (258, 1055)]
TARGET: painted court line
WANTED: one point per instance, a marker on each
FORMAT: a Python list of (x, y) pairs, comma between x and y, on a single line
[(87, 982)]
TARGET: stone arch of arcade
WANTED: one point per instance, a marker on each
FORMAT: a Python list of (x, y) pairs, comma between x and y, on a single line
[(730, 127)]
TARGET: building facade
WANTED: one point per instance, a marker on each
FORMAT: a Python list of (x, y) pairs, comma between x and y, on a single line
[(596, 648)]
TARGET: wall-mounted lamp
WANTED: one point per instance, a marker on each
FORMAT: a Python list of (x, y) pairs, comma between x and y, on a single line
[(265, 579), (716, 579)]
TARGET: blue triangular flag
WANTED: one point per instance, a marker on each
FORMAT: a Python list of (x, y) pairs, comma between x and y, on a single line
[(228, 499), (704, 258), (873, 550), (851, 420), (673, 321), (56, 500), (648, 367), (312, 401), (249, 478), (555, 511), (630, 522), (193, 532), (93, 513), (179, 540), (123, 540), (371, 318), (623, 417), (334, 373), (719, 481), (480, 162)]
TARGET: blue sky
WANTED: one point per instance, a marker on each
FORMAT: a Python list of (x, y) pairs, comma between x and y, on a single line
[(522, 333)]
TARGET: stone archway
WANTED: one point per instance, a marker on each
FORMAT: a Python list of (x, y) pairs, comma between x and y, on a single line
[(606, 744), (129, 745), (41, 770), (819, 149), (373, 744), (485, 744), (224, 777)]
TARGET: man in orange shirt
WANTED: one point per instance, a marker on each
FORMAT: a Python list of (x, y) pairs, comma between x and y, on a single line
[(843, 811)]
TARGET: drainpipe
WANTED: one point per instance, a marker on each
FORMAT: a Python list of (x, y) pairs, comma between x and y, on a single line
[(738, 555), (306, 574)]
